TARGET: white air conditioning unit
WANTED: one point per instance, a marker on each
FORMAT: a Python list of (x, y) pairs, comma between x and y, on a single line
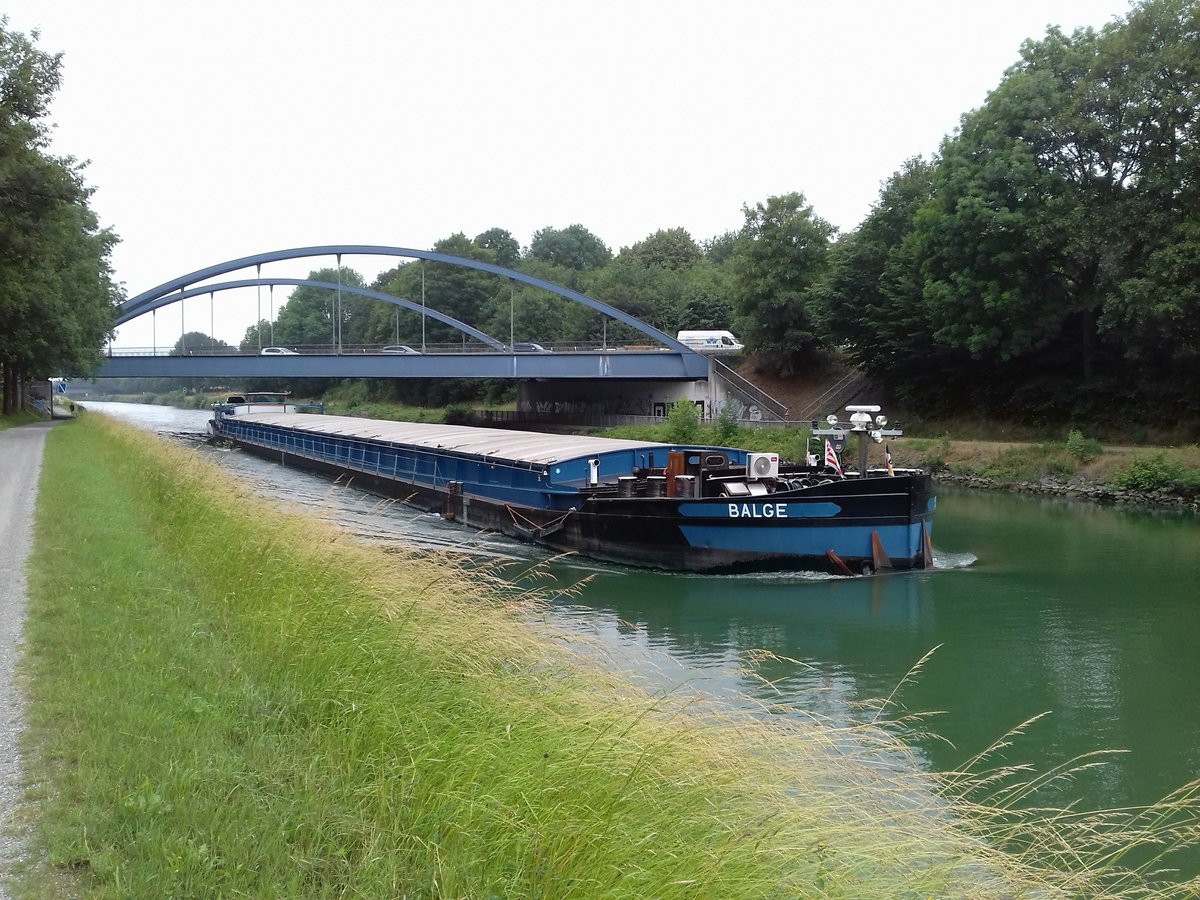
[(762, 465)]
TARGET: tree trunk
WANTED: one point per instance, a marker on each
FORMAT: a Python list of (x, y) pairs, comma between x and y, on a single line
[(6, 388)]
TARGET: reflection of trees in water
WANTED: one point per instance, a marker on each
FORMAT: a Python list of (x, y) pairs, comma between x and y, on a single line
[(775, 643)]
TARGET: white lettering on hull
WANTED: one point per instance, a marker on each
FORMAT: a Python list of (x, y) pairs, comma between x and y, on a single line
[(758, 510)]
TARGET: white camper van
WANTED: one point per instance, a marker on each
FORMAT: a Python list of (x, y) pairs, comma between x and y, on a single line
[(710, 342)]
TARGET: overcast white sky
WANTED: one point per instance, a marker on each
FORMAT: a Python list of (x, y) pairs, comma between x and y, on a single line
[(222, 129)]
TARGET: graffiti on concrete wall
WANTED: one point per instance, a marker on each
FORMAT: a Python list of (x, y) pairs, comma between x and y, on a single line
[(745, 412), (613, 405)]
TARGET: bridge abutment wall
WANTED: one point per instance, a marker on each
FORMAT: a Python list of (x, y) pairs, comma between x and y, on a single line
[(607, 397)]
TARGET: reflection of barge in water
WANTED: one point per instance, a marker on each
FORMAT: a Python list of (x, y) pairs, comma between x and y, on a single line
[(683, 508)]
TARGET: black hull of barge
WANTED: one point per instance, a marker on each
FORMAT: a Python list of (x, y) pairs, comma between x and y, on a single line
[(647, 533)]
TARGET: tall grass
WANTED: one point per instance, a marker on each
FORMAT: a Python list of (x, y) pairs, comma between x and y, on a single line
[(1155, 472), (231, 701), (1030, 463)]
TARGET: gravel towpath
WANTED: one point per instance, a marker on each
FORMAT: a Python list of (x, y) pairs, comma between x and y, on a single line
[(20, 462)]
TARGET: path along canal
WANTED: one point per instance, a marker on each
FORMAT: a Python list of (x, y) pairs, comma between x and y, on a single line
[(1088, 613)]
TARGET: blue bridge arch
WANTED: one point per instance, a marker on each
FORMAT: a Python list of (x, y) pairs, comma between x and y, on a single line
[(173, 291), (177, 296)]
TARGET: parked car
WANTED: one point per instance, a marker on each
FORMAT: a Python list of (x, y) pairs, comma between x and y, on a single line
[(400, 348), (528, 347), (278, 351)]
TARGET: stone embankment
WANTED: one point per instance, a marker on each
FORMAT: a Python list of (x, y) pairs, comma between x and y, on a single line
[(1075, 489)]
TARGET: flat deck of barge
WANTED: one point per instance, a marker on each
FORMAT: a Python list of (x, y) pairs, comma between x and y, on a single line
[(498, 444)]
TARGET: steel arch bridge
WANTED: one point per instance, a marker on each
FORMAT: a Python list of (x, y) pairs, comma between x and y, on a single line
[(672, 361)]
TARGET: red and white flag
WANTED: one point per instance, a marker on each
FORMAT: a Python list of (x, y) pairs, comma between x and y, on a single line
[(831, 458), (887, 457)]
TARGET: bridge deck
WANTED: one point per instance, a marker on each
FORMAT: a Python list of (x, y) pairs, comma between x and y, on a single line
[(625, 364)]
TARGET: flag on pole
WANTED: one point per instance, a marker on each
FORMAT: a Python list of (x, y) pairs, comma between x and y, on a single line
[(831, 459), (887, 457)]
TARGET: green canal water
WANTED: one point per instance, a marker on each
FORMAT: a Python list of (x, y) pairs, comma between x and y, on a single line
[(1087, 613)]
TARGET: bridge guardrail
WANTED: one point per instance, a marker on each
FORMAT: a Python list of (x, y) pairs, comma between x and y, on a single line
[(355, 349)]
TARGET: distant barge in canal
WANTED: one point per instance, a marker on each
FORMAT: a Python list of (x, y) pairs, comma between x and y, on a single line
[(666, 506)]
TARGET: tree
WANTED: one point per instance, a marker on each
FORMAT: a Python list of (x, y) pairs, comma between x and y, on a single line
[(195, 343), (780, 253), (653, 294), (260, 334), (504, 247), (707, 289), (539, 315), (666, 282), (672, 249), (719, 249), (199, 342), (573, 247), (309, 316), (466, 294), (526, 313), (1063, 210), (869, 302), (706, 310), (57, 297)]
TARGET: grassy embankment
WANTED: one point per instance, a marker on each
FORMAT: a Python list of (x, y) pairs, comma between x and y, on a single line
[(229, 700), (1173, 471)]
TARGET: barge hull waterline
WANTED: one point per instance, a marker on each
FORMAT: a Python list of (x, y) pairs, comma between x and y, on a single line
[(654, 533)]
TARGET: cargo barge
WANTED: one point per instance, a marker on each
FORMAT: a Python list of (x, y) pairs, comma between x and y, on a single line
[(675, 507)]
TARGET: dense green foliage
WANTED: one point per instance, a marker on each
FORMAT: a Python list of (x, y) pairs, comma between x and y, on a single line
[(1048, 262), (683, 422), (779, 256), (1154, 472), (1084, 449), (57, 296), (1043, 265)]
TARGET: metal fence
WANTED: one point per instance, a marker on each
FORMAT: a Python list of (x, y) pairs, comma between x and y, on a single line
[(749, 392)]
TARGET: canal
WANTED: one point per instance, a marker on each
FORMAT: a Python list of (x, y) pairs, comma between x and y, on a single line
[(1088, 614)]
